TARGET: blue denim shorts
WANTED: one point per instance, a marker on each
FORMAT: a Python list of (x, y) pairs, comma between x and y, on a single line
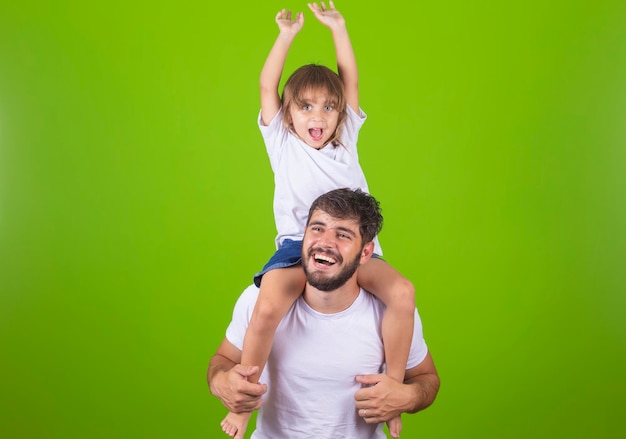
[(289, 254)]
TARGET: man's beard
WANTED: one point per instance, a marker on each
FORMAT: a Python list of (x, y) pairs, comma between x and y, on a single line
[(323, 283)]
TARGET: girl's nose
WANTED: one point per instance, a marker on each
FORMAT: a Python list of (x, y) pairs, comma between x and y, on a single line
[(318, 114)]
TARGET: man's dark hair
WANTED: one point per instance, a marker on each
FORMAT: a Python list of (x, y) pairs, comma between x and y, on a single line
[(354, 205)]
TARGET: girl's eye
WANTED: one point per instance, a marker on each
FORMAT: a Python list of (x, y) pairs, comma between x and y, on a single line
[(328, 108), (306, 107)]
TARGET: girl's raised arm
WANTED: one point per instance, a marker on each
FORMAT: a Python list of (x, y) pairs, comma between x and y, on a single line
[(275, 62), (346, 61)]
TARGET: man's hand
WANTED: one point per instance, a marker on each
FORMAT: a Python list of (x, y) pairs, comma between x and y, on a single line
[(382, 398), (233, 389)]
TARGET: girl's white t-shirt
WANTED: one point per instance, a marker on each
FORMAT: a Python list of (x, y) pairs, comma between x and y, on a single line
[(303, 173)]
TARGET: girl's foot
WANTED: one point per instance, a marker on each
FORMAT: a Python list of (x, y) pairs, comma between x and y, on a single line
[(235, 424)]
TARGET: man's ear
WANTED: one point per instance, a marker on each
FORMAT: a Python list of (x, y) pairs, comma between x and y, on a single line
[(366, 253)]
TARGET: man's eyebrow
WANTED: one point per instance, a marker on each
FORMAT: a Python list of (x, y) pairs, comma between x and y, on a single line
[(348, 231), (340, 228)]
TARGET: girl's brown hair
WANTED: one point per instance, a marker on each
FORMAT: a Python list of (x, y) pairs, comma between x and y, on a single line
[(314, 77)]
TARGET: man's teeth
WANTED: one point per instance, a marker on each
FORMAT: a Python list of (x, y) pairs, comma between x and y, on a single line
[(325, 258)]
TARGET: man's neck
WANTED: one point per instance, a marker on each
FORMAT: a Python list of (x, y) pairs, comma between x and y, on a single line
[(331, 302)]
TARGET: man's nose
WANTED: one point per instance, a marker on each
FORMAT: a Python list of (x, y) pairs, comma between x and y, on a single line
[(326, 239)]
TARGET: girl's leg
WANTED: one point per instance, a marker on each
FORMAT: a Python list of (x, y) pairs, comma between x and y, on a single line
[(398, 294), (279, 290)]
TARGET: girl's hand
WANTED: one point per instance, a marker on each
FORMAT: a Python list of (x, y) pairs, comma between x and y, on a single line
[(286, 24), (329, 17)]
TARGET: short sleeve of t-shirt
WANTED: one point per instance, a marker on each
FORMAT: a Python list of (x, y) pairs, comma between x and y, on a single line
[(242, 313), (352, 126), (419, 349), (274, 135)]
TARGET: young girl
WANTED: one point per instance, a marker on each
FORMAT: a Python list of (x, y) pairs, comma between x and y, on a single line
[(310, 135)]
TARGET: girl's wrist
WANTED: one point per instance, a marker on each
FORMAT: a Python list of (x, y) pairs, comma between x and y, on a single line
[(286, 35), (339, 30)]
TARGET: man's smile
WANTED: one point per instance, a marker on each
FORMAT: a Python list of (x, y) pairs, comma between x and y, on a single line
[(324, 258)]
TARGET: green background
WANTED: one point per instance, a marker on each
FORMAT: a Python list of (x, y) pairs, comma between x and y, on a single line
[(136, 203)]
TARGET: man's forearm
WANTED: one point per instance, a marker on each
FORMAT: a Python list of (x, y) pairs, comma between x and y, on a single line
[(218, 364), (228, 380), (424, 389)]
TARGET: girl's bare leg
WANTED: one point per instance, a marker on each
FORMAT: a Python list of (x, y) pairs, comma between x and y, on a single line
[(279, 290), (398, 294)]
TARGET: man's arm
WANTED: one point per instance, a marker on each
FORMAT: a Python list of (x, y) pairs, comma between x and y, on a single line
[(346, 60), (385, 398), (228, 380), (275, 62)]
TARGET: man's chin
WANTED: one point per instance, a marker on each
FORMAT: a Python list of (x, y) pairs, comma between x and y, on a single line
[(329, 280), (327, 283), (322, 281)]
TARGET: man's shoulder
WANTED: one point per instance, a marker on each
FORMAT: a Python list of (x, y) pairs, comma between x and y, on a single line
[(247, 298), (370, 299), (251, 289), (251, 292)]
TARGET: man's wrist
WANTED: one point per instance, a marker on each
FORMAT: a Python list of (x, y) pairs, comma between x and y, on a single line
[(213, 382), (422, 393), (413, 398), (217, 375)]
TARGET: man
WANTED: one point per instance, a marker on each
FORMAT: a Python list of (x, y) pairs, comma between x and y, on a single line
[(324, 374)]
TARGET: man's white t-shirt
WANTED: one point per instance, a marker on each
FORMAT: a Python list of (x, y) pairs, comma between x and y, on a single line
[(312, 367), (303, 173)]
